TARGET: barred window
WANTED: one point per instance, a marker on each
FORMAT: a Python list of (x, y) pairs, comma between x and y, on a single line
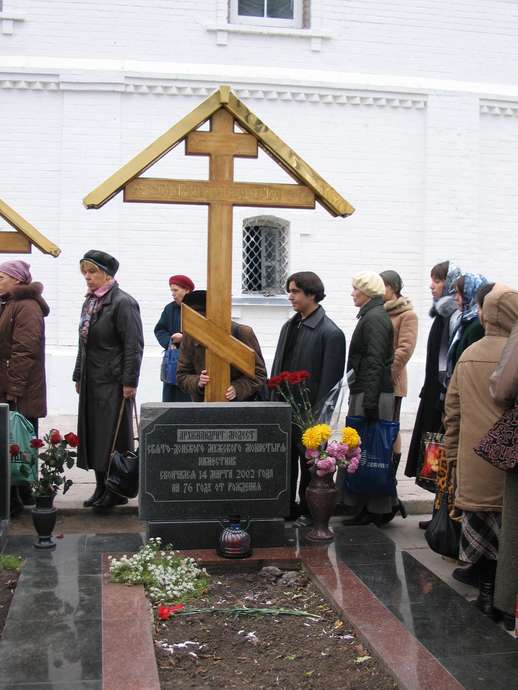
[(265, 255), (287, 13)]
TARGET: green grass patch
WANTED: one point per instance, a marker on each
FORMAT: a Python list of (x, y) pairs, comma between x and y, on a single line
[(8, 562)]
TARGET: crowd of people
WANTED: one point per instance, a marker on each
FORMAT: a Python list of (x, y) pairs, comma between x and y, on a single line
[(471, 376)]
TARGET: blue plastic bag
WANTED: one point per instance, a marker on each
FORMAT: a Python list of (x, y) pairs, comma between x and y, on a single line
[(375, 474), (24, 465), (169, 363)]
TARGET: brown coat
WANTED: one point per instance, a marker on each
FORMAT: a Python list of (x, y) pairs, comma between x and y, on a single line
[(22, 349), (192, 363), (404, 323), (470, 409), (503, 384)]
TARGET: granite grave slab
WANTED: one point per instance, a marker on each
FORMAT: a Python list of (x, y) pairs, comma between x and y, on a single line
[(203, 462)]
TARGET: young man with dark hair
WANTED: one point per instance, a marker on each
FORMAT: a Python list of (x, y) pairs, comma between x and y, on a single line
[(310, 341)]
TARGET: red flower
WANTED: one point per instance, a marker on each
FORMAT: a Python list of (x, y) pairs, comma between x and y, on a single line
[(304, 374), (273, 382), (284, 376), (165, 612), (72, 439), (55, 437), (14, 449), (37, 443)]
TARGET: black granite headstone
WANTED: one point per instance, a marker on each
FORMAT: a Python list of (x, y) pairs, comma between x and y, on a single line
[(203, 462), (5, 475)]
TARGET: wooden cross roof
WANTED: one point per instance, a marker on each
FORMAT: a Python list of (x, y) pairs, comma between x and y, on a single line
[(24, 236), (281, 153)]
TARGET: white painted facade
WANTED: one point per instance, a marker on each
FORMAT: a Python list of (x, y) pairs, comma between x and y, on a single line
[(410, 110)]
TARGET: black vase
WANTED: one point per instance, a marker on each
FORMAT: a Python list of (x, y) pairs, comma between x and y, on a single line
[(44, 520)]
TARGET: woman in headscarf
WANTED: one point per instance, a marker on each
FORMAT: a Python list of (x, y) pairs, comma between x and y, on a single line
[(168, 330), (404, 322), (371, 353), (106, 372), (469, 412), (468, 329), (22, 352), (444, 313)]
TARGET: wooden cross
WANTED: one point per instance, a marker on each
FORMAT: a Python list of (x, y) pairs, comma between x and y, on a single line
[(221, 193)]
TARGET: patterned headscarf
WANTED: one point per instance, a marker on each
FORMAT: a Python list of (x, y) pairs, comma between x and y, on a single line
[(472, 282)]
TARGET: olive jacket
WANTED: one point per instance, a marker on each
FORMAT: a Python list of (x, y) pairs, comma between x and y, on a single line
[(371, 353)]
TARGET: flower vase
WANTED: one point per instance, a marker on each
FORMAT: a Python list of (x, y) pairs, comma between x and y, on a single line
[(44, 520), (321, 499)]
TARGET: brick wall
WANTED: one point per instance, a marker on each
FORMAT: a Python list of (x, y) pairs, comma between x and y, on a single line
[(395, 110)]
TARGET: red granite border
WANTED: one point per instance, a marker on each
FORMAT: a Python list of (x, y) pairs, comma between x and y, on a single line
[(403, 656), (128, 653)]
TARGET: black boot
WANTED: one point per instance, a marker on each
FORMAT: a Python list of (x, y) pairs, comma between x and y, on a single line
[(468, 575), (26, 495), (487, 570), (108, 501), (362, 518), (388, 517), (16, 502), (509, 621), (99, 490)]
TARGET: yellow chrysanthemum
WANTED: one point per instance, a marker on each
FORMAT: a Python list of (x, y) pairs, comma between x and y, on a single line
[(350, 437), (315, 435)]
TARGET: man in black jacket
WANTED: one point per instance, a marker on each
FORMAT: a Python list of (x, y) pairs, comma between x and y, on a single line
[(310, 341)]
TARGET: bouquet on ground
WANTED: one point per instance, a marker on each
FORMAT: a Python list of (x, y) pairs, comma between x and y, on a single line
[(58, 454), (325, 457)]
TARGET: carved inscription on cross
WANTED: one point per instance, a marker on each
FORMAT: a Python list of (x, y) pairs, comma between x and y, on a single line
[(220, 193)]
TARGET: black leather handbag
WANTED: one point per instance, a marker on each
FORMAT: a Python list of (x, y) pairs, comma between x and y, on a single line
[(122, 477)]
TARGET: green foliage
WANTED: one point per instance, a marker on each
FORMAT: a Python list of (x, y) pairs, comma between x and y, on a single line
[(9, 562)]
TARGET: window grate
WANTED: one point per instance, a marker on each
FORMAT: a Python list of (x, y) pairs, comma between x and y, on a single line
[(265, 255)]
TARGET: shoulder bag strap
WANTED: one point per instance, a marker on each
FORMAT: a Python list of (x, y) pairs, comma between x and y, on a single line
[(137, 424)]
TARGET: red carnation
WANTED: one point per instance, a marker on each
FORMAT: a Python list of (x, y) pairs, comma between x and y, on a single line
[(55, 437), (14, 449), (304, 374), (284, 376), (37, 443), (72, 439), (163, 612), (273, 382)]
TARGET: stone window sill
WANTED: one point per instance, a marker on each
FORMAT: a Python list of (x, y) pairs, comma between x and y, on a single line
[(261, 301), (222, 30), (7, 22)]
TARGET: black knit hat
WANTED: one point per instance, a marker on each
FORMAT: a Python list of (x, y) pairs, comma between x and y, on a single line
[(102, 260), (197, 300)]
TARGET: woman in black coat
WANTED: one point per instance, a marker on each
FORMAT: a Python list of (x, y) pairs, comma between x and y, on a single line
[(371, 353), (106, 372), (445, 317)]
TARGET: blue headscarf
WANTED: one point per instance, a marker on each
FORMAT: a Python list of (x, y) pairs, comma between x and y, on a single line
[(472, 282)]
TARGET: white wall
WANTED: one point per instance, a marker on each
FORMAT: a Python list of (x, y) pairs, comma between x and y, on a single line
[(410, 111)]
